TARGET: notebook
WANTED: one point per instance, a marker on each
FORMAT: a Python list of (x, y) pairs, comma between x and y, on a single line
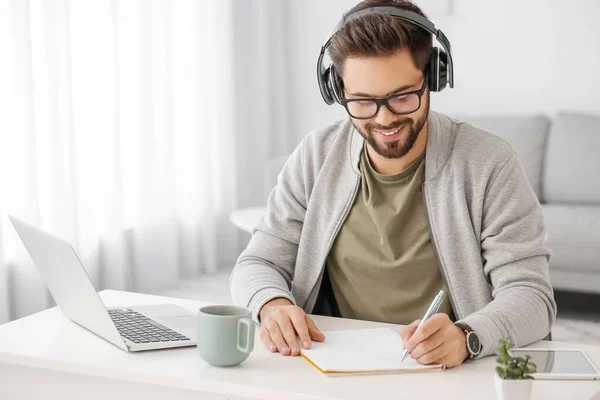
[(365, 351)]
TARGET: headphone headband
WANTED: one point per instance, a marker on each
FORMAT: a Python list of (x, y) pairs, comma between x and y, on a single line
[(447, 70), (405, 15)]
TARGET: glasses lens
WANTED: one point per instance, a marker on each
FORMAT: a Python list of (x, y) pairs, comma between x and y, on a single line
[(362, 108), (405, 104)]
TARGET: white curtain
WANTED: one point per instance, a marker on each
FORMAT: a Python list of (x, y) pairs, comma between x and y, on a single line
[(262, 99), (118, 132)]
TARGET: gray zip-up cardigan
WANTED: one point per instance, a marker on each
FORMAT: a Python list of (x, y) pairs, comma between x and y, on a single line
[(485, 221)]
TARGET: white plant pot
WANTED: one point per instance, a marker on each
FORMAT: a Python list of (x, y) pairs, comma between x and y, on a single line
[(513, 389)]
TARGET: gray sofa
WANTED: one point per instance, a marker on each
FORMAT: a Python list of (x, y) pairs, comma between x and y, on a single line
[(561, 157)]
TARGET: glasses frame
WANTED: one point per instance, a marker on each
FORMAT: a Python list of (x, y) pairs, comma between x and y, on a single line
[(385, 101)]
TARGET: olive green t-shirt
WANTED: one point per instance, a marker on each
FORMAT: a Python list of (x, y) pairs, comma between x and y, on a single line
[(382, 266)]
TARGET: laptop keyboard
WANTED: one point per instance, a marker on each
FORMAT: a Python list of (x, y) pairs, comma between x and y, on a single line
[(138, 328)]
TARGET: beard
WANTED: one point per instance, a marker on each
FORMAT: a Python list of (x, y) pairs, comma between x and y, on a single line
[(397, 148)]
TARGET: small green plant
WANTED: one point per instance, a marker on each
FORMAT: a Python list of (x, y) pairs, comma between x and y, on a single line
[(513, 367)]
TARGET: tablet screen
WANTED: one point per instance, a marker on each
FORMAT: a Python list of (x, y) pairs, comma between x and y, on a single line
[(558, 361)]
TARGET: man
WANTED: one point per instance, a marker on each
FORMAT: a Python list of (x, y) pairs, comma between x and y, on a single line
[(374, 215)]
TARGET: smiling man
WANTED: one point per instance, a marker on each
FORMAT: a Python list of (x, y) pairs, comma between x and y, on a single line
[(373, 215)]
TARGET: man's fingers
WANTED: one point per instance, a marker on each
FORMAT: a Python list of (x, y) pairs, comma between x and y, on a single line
[(277, 338), (413, 326), (427, 345), (314, 332), (289, 334), (283, 324), (302, 329), (266, 338), (431, 326), (434, 355), (407, 331)]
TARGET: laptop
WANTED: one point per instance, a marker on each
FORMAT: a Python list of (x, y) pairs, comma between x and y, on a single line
[(136, 328)]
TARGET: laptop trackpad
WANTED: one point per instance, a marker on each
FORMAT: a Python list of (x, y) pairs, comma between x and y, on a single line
[(183, 322)]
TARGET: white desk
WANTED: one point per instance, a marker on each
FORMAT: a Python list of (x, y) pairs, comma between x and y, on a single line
[(46, 356)]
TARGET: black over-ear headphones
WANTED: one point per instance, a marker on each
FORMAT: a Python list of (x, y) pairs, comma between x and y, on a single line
[(441, 70)]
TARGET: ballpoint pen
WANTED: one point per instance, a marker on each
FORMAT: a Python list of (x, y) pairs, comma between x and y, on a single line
[(433, 308)]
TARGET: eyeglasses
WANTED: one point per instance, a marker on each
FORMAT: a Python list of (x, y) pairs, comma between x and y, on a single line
[(404, 103)]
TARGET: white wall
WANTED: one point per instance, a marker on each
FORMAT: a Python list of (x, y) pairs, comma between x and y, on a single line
[(511, 56)]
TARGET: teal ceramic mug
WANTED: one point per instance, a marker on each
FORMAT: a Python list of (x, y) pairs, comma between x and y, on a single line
[(225, 335)]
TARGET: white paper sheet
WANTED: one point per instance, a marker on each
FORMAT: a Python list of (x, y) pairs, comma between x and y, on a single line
[(362, 351)]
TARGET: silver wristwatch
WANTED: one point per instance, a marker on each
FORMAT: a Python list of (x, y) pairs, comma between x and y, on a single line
[(473, 342)]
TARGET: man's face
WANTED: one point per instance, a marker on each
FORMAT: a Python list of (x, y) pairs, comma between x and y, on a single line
[(379, 77)]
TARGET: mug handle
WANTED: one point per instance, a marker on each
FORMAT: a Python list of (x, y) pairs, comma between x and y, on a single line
[(249, 335)]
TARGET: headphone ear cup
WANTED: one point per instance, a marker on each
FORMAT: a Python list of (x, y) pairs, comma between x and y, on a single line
[(438, 70), (324, 85), (336, 84), (433, 69), (443, 70)]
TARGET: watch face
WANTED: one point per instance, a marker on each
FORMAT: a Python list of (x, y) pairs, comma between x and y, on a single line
[(473, 342)]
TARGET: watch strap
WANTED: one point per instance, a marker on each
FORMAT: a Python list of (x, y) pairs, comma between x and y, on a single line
[(464, 327)]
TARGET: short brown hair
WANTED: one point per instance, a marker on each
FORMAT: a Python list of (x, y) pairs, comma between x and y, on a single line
[(381, 35)]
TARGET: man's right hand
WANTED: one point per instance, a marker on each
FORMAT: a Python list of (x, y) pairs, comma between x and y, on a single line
[(281, 321)]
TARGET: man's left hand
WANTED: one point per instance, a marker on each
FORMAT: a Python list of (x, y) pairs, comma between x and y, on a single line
[(438, 341)]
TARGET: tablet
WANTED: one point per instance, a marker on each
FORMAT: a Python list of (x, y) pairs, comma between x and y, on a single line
[(560, 364)]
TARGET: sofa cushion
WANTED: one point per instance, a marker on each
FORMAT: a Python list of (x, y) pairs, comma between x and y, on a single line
[(572, 165), (527, 136), (573, 236)]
